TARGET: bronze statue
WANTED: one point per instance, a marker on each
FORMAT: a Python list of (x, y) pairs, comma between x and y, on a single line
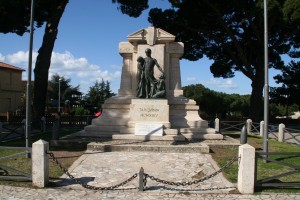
[(140, 78), (147, 85)]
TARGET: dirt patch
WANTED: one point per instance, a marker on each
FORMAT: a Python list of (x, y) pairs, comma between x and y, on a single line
[(66, 158)]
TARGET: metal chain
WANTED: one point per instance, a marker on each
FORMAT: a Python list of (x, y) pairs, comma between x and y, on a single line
[(90, 186), (192, 182)]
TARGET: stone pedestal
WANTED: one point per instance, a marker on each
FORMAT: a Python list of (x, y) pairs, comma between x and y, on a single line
[(149, 118)]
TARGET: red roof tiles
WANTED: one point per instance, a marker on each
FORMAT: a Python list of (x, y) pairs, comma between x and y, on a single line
[(7, 66)]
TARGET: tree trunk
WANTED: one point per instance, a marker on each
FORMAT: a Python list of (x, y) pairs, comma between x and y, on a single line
[(256, 99), (44, 59)]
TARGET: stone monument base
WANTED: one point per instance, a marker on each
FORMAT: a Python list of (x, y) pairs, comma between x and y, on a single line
[(178, 116)]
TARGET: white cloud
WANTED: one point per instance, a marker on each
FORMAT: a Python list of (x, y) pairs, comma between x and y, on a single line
[(79, 70), (191, 78), (1, 58), (20, 58), (228, 83)]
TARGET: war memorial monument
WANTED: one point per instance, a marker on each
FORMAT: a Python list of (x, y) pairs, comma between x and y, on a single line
[(150, 104)]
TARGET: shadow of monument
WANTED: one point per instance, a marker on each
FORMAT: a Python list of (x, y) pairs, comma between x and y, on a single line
[(60, 182)]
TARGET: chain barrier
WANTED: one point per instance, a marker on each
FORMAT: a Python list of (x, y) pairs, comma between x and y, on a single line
[(114, 187), (192, 182)]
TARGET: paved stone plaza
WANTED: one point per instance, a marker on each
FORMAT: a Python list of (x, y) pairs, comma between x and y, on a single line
[(103, 169), (16, 193)]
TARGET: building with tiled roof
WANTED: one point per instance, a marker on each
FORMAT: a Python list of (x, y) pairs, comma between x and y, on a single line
[(10, 87)]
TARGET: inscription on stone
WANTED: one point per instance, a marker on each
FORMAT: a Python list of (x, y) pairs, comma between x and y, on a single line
[(149, 111), (149, 129)]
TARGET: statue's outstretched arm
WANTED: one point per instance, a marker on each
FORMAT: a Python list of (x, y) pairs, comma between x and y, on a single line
[(158, 66)]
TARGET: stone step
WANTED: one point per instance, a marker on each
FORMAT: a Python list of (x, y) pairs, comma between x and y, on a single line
[(94, 146), (197, 130), (191, 136), (148, 138), (165, 131)]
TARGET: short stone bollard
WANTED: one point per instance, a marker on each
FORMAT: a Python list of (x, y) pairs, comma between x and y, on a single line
[(217, 125), (249, 126), (1, 126), (40, 166), (243, 137), (246, 176), (141, 179), (281, 132), (261, 128)]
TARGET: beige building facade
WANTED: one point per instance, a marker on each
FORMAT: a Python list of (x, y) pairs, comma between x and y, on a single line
[(10, 87)]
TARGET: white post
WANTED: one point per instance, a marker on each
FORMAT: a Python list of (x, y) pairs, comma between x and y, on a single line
[(246, 169), (281, 132), (217, 125), (40, 166), (249, 126), (261, 128), (59, 94)]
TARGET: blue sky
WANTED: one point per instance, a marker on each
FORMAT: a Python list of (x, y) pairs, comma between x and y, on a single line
[(86, 49)]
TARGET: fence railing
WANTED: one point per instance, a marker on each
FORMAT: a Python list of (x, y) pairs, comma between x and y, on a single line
[(274, 181), (11, 173), (292, 135), (275, 131), (68, 120)]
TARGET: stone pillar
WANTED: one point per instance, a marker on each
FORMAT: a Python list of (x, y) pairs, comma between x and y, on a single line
[(174, 52), (261, 128), (217, 125), (246, 169), (281, 132), (126, 50), (126, 82), (40, 166), (249, 126)]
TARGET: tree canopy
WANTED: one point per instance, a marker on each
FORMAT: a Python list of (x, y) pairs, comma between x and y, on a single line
[(231, 33), (67, 91), (289, 92), (97, 94), (217, 104)]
